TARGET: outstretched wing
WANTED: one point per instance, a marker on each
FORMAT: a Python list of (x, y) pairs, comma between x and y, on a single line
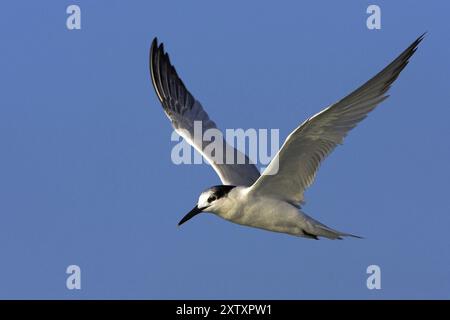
[(304, 149), (183, 110)]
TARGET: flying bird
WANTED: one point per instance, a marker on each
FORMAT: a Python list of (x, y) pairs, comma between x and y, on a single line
[(270, 201)]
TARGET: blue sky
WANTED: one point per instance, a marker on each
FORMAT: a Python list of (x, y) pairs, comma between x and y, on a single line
[(86, 176)]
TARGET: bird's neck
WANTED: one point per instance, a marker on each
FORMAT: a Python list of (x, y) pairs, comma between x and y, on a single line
[(233, 204)]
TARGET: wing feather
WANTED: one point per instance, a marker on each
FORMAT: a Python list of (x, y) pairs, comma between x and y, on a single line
[(295, 166), (183, 110)]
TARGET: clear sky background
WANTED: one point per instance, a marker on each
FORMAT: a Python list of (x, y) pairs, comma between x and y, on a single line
[(86, 176)]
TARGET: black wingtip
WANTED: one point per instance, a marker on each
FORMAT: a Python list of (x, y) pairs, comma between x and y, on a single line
[(154, 45), (417, 41), (154, 72), (153, 49), (421, 37), (413, 47)]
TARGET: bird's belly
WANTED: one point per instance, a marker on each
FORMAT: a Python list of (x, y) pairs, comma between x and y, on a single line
[(270, 214)]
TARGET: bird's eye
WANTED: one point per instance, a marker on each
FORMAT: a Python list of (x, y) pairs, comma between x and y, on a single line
[(211, 199)]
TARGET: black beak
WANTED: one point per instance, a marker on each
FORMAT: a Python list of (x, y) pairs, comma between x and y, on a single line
[(195, 211)]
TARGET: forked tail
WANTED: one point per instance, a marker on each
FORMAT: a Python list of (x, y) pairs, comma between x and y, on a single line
[(317, 229), (324, 231)]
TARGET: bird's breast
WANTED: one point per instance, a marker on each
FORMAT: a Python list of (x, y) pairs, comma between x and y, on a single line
[(265, 213)]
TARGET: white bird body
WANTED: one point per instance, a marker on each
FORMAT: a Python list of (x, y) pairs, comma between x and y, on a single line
[(271, 201), (264, 213), (243, 207)]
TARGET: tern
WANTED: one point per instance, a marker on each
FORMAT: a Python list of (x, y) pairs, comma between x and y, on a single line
[(271, 201)]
